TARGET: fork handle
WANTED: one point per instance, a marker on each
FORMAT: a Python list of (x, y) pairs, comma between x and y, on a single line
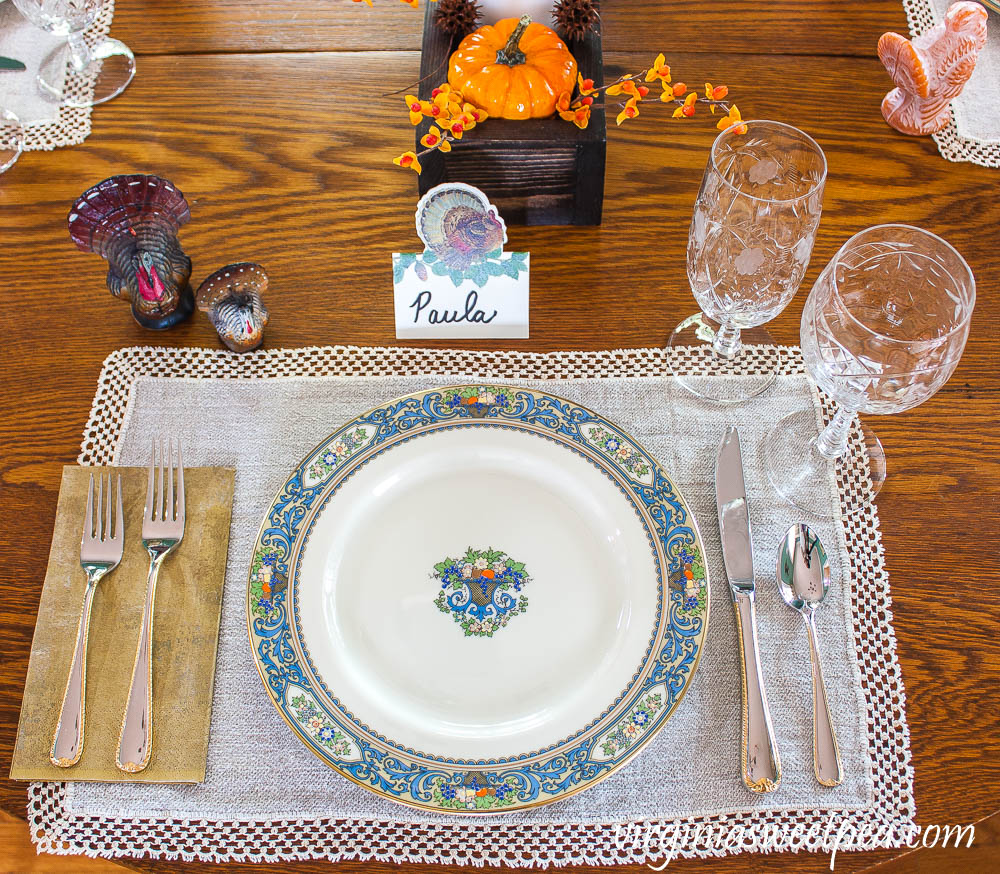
[(135, 743), (67, 742)]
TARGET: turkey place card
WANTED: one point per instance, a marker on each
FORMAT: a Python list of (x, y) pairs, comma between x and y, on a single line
[(463, 284)]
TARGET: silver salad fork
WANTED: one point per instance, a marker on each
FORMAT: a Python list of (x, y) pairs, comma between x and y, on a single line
[(100, 552), (162, 530)]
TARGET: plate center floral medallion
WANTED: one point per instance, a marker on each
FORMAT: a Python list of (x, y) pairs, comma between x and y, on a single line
[(482, 590)]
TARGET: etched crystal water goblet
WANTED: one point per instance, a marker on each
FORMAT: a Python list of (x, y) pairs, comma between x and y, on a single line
[(11, 139), (751, 236), (882, 330), (107, 64)]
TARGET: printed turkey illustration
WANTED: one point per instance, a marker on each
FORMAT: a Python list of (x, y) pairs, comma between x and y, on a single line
[(459, 225), (932, 69), (132, 222)]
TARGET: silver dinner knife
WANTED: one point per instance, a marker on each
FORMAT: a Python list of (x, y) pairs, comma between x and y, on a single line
[(759, 759)]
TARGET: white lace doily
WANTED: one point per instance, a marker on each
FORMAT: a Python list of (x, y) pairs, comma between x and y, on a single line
[(102, 820), (47, 127), (979, 102)]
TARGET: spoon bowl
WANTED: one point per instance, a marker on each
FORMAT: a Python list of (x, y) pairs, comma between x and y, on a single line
[(803, 569)]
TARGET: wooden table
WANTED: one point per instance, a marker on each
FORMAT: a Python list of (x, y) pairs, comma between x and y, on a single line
[(267, 115)]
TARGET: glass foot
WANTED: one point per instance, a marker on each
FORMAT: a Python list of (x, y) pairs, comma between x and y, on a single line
[(11, 139), (724, 380), (802, 476), (111, 68)]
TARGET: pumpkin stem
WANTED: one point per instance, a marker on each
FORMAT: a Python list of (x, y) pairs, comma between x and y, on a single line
[(510, 54)]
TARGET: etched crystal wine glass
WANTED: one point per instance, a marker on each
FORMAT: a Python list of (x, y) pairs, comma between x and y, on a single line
[(882, 330), (109, 64), (11, 139), (751, 236)]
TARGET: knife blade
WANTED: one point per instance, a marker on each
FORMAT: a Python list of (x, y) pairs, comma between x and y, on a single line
[(11, 64), (759, 761)]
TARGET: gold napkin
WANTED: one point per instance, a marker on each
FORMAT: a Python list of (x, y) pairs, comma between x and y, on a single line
[(185, 634)]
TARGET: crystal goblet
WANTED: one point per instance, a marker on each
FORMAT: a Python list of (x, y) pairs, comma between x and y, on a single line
[(751, 236), (108, 64), (882, 330), (11, 139)]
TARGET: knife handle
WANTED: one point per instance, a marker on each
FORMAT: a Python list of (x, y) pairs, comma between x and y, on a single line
[(759, 762)]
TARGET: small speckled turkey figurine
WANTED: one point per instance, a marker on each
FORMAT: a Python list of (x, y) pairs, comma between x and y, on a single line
[(132, 222), (932, 69), (231, 298)]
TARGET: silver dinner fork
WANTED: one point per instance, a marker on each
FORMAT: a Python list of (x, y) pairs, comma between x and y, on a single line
[(100, 552), (162, 530)]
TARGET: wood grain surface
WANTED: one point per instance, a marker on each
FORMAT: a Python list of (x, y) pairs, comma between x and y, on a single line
[(267, 116)]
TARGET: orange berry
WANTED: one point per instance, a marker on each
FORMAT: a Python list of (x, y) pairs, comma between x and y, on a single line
[(643, 91), (587, 101), (588, 84), (679, 89), (688, 110)]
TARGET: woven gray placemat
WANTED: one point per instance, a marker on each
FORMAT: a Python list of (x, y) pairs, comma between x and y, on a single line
[(266, 796)]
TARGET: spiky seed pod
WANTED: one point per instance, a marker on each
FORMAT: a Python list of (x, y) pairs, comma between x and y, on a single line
[(576, 18), (457, 17)]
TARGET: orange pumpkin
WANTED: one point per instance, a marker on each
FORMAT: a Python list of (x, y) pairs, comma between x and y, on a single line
[(513, 69)]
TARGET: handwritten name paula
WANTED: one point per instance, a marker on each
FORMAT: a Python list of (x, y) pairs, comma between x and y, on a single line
[(422, 308)]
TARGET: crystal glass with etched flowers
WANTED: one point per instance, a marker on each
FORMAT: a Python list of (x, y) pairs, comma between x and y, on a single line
[(751, 236), (882, 330), (83, 72)]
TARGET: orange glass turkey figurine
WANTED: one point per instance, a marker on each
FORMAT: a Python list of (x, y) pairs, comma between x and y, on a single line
[(932, 69)]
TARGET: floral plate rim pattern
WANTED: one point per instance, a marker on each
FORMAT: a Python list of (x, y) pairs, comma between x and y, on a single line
[(466, 787)]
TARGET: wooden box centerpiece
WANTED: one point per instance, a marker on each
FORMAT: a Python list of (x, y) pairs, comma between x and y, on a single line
[(541, 171)]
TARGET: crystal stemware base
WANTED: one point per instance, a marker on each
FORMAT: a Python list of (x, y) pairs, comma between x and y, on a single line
[(702, 354), (11, 139), (110, 65), (802, 474)]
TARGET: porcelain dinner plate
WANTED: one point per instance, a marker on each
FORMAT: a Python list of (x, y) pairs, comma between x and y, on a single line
[(477, 599)]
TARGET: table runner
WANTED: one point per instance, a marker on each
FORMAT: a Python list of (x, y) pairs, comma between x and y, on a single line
[(267, 797), (973, 134), (46, 124)]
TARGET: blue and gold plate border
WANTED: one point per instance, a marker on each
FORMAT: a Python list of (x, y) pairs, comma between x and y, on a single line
[(421, 780)]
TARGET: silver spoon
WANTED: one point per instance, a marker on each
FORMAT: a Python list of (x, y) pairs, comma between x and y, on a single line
[(803, 580)]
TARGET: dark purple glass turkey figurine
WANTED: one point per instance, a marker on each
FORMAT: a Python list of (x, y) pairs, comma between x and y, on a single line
[(132, 222), (231, 298)]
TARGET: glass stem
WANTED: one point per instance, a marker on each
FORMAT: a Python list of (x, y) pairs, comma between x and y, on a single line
[(832, 441), (727, 342), (79, 54)]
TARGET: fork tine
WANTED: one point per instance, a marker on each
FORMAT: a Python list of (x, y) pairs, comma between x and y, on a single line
[(88, 522), (159, 493), (170, 514), (98, 527), (107, 527), (148, 512), (180, 484), (119, 514)]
